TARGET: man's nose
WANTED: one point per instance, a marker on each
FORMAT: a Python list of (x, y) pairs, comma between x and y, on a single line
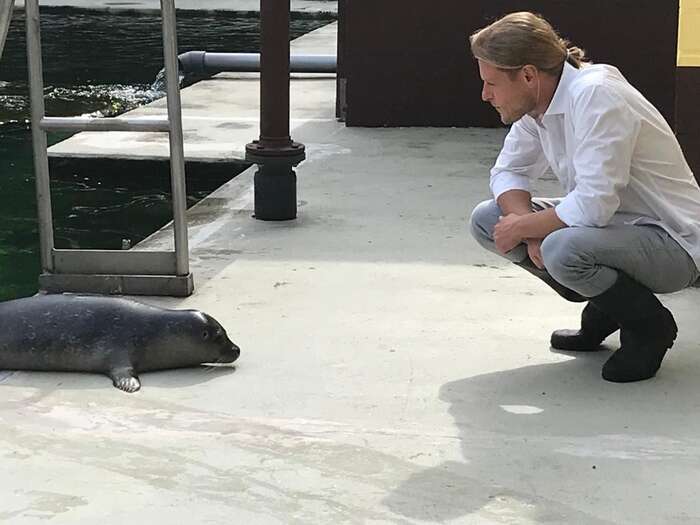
[(485, 94)]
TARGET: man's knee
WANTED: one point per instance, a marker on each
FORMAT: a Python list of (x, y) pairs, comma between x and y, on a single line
[(564, 253), (483, 219)]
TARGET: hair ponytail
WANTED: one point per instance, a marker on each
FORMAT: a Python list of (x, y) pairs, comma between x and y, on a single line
[(576, 57)]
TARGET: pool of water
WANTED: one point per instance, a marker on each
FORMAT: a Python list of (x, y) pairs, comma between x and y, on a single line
[(101, 207)]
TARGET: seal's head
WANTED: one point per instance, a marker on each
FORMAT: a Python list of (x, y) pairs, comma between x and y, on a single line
[(214, 336), (189, 338)]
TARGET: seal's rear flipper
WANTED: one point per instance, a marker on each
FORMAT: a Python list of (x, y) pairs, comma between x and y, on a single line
[(124, 379)]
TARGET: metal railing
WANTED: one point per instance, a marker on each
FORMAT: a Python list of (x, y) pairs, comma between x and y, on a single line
[(110, 271)]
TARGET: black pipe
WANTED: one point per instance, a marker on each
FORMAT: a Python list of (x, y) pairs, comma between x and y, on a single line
[(274, 74)]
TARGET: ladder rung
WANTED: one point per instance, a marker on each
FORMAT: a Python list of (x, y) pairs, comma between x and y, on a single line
[(104, 124), (124, 262)]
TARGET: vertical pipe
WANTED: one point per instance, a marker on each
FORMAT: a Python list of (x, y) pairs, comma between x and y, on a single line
[(41, 160), (177, 155), (341, 77), (274, 73), (275, 153), (5, 19)]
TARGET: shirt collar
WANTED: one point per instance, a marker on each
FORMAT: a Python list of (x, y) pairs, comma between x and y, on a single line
[(560, 100)]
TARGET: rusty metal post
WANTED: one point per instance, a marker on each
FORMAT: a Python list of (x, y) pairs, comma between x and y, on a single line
[(275, 153)]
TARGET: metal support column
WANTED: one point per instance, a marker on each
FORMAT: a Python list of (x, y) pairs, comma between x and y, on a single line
[(275, 153)]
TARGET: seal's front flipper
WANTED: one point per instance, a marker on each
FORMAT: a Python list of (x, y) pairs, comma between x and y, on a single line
[(124, 379)]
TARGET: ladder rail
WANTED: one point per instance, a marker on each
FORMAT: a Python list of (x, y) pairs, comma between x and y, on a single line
[(177, 155), (155, 125), (6, 9), (39, 140)]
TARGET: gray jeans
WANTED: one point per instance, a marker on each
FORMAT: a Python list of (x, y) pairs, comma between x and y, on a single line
[(586, 260)]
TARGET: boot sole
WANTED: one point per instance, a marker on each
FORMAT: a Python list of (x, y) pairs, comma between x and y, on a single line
[(573, 341)]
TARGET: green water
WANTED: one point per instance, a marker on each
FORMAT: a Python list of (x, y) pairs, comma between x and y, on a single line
[(100, 64)]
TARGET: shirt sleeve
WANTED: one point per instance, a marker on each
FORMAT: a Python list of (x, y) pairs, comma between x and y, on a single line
[(520, 160), (606, 130)]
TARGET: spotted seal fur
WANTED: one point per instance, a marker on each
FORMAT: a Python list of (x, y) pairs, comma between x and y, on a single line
[(109, 335)]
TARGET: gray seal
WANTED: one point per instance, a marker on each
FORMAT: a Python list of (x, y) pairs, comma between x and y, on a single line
[(109, 335)]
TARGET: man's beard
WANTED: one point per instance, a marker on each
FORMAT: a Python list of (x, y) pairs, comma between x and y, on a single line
[(518, 113)]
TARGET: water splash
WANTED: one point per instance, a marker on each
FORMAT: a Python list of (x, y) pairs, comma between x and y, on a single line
[(110, 99), (159, 84), (95, 100)]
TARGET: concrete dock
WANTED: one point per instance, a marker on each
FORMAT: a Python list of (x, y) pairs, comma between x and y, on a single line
[(391, 372), (219, 115)]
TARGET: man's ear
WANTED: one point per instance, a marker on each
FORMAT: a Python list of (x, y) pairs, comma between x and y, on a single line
[(530, 73)]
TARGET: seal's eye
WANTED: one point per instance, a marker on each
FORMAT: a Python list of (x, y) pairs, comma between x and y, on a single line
[(205, 335)]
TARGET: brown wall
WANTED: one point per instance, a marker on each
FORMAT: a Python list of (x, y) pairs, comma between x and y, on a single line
[(406, 63)]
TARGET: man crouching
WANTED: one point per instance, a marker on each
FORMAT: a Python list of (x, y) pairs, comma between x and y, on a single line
[(629, 224)]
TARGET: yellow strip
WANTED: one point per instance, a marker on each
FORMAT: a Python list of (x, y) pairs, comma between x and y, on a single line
[(689, 34)]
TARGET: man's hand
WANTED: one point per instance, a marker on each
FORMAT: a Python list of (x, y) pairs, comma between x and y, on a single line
[(506, 234), (534, 250)]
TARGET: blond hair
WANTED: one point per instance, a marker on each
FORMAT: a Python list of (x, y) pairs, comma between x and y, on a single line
[(524, 38)]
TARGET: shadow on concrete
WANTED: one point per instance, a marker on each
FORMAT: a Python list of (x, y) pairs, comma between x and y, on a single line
[(73, 381), (186, 376), (555, 443), (364, 196)]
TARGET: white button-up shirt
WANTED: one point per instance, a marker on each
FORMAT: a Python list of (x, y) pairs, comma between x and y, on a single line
[(615, 155)]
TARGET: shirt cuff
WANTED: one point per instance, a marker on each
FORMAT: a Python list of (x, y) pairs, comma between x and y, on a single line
[(506, 181), (568, 212)]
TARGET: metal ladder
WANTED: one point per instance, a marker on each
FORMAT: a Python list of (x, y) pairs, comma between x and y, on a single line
[(127, 272)]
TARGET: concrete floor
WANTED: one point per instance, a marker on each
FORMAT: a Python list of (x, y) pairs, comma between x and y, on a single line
[(391, 372), (298, 6)]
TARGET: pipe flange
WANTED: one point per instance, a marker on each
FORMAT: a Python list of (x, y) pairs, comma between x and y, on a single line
[(258, 153)]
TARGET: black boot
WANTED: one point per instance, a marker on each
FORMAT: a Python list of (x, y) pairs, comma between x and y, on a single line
[(596, 325), (647, 330), (562, 290)]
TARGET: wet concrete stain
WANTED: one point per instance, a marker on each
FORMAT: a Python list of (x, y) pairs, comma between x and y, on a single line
[(46, 505), (234, 125), (420, 145)]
